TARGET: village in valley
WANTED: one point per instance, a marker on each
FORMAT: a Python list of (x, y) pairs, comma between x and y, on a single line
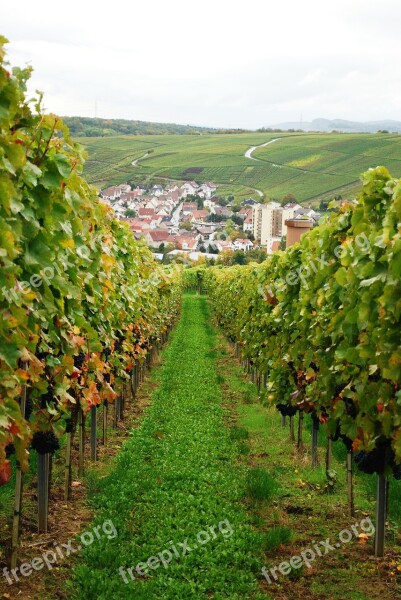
[(192, 219)]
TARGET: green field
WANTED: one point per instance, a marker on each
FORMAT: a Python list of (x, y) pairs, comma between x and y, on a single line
[(309, 166)]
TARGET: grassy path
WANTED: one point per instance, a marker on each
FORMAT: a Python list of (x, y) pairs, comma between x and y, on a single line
[(176, 489)]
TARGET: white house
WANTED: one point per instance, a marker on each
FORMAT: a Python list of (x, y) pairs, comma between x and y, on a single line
[(156, 237), (248, 224), (140, 189), (112, 193), (190, 187), (209, 203), (222, 245), (188, 208), (273, 244), (152, 203), (163, 212), (208, 189), (240, 244), (125, 188), (156, 190)]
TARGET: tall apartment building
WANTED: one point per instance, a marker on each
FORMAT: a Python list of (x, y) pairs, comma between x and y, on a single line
[(265, 221), (269, 221)]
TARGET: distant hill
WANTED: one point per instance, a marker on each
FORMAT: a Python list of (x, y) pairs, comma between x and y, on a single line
[(310, 167), (91, 127), (326, 125)]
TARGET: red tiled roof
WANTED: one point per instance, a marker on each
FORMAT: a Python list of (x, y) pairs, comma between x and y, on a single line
[(146, 212), (159, 235), (180, 240), (200, 214)]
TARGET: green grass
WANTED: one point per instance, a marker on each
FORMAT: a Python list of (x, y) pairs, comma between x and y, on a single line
[(277, 536), (301, 513), (177, 476), (310, 166), (239, 433), (261, 485)]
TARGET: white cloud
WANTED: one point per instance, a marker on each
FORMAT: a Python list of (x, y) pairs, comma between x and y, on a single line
[(211, 62)]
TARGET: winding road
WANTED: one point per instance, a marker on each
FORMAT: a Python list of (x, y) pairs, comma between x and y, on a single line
[(135, 162), (249, 152)]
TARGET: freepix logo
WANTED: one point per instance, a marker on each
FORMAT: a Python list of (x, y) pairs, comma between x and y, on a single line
[(176, 551), (45, 276), (320, 549), (60, 552), (303, 273)]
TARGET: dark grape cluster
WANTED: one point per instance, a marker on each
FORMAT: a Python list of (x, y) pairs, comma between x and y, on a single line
[(377, 460), (371, 462), (346, 441), (340, 436), (48, 398), (79, 360), (287, 410), (106, 353), (28, 408), (118, 346), (350, 408), (339, 389), (45, 442), (397, 472), (10, 450)]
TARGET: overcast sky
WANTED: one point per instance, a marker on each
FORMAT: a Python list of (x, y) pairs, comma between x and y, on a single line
[(213, 62)]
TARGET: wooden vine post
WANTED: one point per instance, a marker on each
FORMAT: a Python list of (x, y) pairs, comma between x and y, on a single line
[(123, 401), (350, 485), (328, 454), (67, 473), (132, 382), (300, 428), (43, 491), (315, 434), (105, 411), (19, 479), (292, 432), (50, 478), (381, 504), (118, 408), (81, 459), (136, 377), (93, 437), (71, 430)]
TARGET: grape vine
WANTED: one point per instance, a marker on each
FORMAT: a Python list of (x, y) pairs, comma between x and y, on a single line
[(81, 301), (323, 319)]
